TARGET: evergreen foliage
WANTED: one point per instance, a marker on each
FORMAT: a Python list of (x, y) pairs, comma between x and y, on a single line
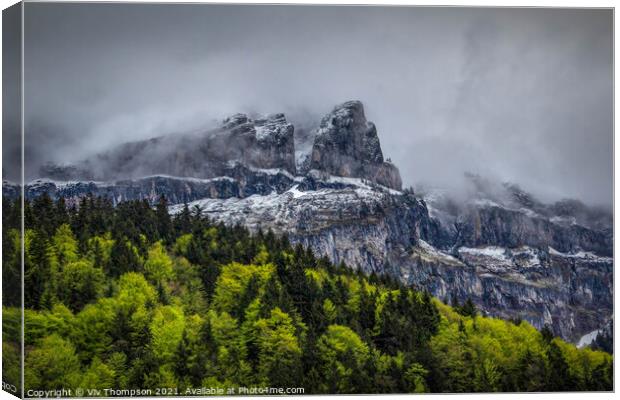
[(129, 297)]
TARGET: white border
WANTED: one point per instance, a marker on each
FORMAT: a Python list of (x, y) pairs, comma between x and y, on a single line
[(475, 3)]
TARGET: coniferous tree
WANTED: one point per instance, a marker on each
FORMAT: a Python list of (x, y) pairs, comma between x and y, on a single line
[(124, 258), (38, 270), (164, 223), (558, 378), (468, 309)]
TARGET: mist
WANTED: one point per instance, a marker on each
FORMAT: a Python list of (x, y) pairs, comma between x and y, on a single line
[(520, 95)]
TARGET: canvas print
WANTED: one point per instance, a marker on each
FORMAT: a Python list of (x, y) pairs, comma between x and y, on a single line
[(214, 199)]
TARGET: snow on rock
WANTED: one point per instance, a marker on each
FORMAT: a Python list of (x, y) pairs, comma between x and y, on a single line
[(346, 144), (526, 257), (295, 192), (286, 211), (494, 252), (588, 338), (431, 254), (581, 255)]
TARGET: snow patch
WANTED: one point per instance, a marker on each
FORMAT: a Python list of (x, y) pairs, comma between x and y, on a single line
[(563, 220), (498, 253), (273, 171), (526, 257), (296, 192), (588, 338), (581, 255), (434, 252), (188, 178), (64, 184), (262, 132), (361, 183)]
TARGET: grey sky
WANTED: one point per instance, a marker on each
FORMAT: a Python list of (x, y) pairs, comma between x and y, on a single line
[(515, 94)]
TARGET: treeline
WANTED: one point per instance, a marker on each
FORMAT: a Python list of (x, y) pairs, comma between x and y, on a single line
[(130, 297)]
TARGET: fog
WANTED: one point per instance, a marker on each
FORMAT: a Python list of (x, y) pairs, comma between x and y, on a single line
[(523, 95)]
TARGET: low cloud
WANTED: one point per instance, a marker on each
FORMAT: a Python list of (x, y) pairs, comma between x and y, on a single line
[(514, 94)]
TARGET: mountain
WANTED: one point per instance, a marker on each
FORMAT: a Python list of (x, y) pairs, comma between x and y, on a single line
[(262, 143), (346, 144), (512, 255)]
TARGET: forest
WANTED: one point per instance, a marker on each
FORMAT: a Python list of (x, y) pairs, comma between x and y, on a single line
[(130, 297)]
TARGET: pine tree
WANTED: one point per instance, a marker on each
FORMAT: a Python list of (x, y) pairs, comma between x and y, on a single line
[(164, 223), (558, 378), (468, 309), (183, 221), (547, 334), (38, 270), (123, 258)]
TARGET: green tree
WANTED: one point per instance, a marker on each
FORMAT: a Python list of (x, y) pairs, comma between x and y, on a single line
[(279, 350), (124, 258), (559, 376), (158, 265), (53, 364), (343, 355), (164, 222), (98, 376), (79, 284), (39, 268), (167, 331), (65, 244)]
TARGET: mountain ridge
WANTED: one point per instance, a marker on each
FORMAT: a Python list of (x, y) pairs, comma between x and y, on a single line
[(514, 256)]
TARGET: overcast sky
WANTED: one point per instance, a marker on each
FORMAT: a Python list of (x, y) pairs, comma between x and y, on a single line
[(515, 94)]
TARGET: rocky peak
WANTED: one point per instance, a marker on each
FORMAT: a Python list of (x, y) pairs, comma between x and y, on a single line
[(346, 144), (276, 142), (273, 126), (265, 142), (346, 130), (235, 121), (239, 125)]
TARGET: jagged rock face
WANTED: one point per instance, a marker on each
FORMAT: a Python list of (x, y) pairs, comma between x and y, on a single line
[(262, 143), (275, 137), (346, 144), (345, 220), (265, 143), (498, 225), (238, 181), (570, 293), (517, 257), (510, 217)]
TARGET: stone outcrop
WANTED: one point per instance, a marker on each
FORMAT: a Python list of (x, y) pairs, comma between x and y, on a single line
[(346, 144), (263, 143)]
